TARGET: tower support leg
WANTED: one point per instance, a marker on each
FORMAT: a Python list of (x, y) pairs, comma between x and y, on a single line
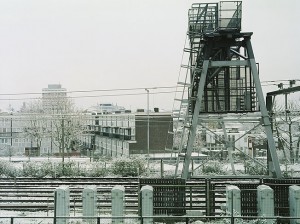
[(274, 168), (194, 124)]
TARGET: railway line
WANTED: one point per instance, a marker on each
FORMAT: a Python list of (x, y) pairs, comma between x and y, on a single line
[(31, 194)]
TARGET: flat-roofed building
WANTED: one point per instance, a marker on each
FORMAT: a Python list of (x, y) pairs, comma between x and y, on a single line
[(124, 134), (51, 95)]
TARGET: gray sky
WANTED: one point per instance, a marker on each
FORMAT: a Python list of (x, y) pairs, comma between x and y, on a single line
[(116, 44)]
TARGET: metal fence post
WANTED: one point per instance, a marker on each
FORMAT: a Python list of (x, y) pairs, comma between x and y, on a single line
[(207, 184)]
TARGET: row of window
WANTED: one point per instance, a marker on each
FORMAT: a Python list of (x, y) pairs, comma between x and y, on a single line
[(16, 140), (115, 120), (115, 132), (111, 147), (113, 152)]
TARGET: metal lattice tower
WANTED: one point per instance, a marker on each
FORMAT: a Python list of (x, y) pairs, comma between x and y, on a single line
[(220, 83)]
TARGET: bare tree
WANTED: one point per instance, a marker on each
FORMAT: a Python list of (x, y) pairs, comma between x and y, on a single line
[(35, 126), (286, 124), (66, 122), (55, 118)]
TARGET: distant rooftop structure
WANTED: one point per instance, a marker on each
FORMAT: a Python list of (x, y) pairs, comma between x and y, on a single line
[(108, 108), (51, 94), (53, 88)]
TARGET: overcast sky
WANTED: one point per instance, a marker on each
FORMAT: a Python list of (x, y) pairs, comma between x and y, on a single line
[(125, 44)]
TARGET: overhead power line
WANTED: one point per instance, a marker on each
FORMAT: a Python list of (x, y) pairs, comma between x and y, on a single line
[(265, 83), (281, 80), (89, 91), (91, 96), (127, 89)]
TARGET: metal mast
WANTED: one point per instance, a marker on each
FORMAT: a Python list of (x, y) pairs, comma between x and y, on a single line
[(221, 83)]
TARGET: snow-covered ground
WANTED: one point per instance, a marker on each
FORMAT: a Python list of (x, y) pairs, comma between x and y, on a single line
[(168, 168), (43, 217)]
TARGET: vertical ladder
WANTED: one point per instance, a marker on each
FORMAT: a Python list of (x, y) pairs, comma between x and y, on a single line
[(201, 16)]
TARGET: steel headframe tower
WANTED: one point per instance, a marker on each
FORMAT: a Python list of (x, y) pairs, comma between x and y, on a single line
[(223, 76)]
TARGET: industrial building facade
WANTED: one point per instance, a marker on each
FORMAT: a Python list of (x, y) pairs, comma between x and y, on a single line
[(116, 135)]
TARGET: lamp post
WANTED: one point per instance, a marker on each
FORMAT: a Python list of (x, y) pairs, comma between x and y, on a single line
[(148, 143), (11, 137)]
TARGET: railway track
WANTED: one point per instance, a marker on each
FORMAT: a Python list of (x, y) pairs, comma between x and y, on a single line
[(30, 194)]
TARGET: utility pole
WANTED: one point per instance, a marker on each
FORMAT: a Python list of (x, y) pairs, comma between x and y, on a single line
[(51, 143), (11, 138), (63, 141), (148, 128)]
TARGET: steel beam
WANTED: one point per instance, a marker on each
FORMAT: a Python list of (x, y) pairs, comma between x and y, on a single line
[(265, 116), (284, 91), (193, 128), (228, 63)]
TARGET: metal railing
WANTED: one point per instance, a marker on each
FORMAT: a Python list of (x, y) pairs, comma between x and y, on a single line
[(138, 219)]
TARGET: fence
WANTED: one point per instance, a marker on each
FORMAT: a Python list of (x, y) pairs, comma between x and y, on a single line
[(177, 199), (138, 219), (168, 197)]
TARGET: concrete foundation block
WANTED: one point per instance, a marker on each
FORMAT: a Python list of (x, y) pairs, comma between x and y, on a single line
[(89, 203), (147, 203), (233, 200), (62, 205), (294, 203), (118, 203), (265, 203)]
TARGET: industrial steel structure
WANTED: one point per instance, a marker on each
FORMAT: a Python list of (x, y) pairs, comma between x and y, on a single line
[(219, 82)]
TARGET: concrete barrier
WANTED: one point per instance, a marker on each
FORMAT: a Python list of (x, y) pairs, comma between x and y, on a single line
[(62, 203), (118, 203), (89, 203), (233, 200), (147, 203)]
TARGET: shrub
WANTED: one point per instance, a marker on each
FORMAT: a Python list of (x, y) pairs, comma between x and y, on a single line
[(13, 172), (212, 167), (97, 170), (253, 168), (66, 169), (7, 170), (239, 156), (3, 168), (43, 169), (30, 169), (126, 167)]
